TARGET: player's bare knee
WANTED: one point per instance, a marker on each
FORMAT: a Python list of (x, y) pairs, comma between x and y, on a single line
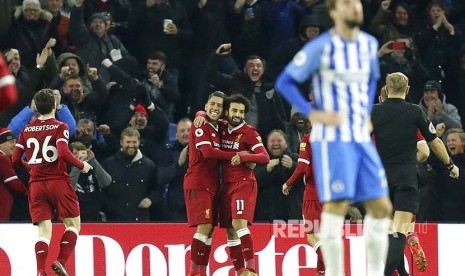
[(379, 208), (205, 229), (231, 233), (45, 229), (73, 222), (339, 207), (239, 224)]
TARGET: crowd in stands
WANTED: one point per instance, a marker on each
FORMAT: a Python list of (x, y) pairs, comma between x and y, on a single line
[(129, 76)]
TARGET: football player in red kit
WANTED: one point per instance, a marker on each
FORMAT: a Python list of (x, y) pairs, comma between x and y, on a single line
[(45, 144)]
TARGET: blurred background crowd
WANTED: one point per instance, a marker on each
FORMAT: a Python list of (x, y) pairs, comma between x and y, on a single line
[(151, 65)]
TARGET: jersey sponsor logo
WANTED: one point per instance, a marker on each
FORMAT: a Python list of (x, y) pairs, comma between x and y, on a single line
[(228, 144), (431, 128), (303, 146), (259, 139), (338, 186), (198, 132), (300, 58)]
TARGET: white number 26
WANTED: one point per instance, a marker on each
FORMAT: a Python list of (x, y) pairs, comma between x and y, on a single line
[(49, 152)]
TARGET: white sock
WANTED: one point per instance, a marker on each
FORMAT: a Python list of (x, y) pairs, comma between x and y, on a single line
[(376, 244), (332, 245)]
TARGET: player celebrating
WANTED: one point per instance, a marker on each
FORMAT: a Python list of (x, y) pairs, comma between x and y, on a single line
[(311, 207), (343, 66), (201, 182), (45, 143), (239, 194)]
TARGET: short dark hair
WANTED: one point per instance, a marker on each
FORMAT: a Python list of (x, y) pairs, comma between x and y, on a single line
[(44, 101), (250, 57), (72, 78), (158, 56), (218, 94), (286, 138), (237, 98)]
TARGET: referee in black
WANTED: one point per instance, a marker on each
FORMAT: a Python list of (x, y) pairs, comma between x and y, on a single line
[(395, 124)]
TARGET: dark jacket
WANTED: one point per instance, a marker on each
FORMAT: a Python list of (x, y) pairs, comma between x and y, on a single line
[(167, 95), (172, 175), (271, 203), (132, 181), (147, 24), (91, 48)]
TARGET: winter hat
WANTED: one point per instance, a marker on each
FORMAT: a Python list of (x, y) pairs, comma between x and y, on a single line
[(432, 85), (141, 109), (97, 15), (6, 135)]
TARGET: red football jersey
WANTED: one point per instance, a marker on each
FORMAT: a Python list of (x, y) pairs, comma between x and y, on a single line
[(305, 156), (241, 138), (202, 173), (8, 94), (39, 142), (420, 137)]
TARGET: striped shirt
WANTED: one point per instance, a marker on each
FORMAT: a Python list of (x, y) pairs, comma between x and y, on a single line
[(344, 75)]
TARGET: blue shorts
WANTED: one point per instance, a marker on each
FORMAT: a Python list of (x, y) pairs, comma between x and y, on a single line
[(350, 171)]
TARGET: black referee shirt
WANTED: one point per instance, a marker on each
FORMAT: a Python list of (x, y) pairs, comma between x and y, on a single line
[(395, 124)]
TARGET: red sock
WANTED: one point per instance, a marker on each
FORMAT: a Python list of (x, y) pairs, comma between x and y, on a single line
[(235, 254), (320, 264), (208, 249), (41, 249), (198, 249), (247, 248), (67, 244)]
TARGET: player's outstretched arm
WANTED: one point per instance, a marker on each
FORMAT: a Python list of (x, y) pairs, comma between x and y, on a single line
[(65, 154), (298, 173)]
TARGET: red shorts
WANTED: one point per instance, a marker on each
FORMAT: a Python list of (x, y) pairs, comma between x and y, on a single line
[(237, 201), (47, 196), (311, 213), (201, 207)]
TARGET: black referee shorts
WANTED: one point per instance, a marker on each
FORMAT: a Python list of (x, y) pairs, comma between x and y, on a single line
[(403, 187)]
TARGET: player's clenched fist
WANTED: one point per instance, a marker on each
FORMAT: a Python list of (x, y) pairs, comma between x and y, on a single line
[(87, 167)]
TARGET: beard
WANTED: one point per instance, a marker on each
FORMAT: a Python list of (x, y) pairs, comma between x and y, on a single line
[(353, 23), (130, 152), (234, 123)]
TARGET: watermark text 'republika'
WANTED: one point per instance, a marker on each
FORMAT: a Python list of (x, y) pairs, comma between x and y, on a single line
[(299, 228)]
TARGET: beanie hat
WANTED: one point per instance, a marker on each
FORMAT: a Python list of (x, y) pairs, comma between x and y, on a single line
[(432, 85), (141, 109), (97, 15), (6, 135)]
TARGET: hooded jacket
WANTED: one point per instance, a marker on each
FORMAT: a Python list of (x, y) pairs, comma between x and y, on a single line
[(58, 82), (451, 116)]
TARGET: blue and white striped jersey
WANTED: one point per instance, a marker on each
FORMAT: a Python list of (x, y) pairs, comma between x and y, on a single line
[(344, 75)]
